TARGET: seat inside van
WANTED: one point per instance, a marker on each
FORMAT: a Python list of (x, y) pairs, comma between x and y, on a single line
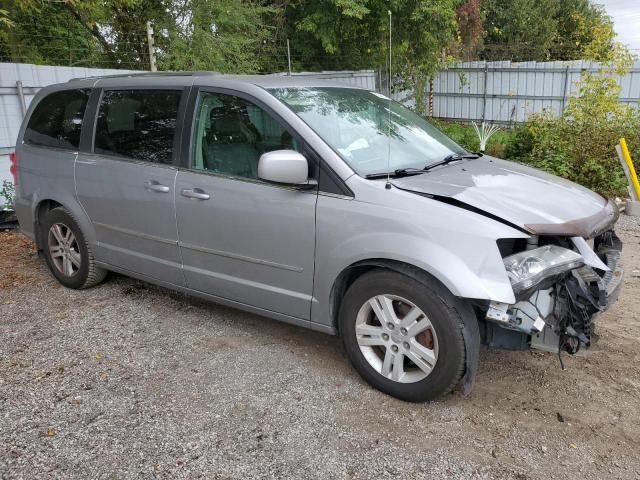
[(230, 142), (231, 134)]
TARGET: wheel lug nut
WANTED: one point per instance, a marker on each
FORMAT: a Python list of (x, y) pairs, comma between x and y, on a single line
[(394, 348), (403, 331), (385, 336), (390, 326), (406, 345)]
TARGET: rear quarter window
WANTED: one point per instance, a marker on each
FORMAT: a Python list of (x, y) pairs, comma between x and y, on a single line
[(57, 120)]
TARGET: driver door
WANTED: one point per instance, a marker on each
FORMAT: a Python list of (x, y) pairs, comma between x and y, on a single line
[(241, 238)]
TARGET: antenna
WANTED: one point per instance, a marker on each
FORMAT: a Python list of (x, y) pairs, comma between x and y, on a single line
[(388, 185)]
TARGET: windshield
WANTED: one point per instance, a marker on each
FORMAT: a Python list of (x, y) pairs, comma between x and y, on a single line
[(372, 133)]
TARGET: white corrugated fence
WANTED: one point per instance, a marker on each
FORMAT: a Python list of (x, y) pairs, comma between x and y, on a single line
[(505, 92)]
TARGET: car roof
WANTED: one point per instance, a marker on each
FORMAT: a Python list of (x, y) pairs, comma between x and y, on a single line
[(210, 78)]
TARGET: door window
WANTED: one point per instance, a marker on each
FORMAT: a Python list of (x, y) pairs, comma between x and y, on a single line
[(57, 120), (138, 124), (231, 134)]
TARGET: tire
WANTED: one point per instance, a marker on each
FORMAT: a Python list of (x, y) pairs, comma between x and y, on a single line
[(431, 335), (70, 260)]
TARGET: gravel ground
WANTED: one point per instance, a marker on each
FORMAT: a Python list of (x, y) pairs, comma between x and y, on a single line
[(127, 380)]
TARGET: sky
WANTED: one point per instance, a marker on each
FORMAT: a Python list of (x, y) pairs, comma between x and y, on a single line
[(626, 20)]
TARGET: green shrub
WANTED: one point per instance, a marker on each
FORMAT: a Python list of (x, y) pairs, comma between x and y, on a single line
[(580, 145), (7, 192), (496, 150), (462, 134)]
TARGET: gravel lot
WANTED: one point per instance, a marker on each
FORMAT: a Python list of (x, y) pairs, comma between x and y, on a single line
[(127, 380)]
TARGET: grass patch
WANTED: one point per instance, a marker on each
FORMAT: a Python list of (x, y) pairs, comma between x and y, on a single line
[(465, 135)]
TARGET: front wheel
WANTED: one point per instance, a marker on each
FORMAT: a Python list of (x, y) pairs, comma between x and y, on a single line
[(402, 335)]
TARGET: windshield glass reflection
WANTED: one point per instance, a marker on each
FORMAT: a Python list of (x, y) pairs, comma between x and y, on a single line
[(372, 133)]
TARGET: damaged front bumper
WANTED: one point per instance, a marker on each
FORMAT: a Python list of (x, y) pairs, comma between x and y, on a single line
[(558, 315)]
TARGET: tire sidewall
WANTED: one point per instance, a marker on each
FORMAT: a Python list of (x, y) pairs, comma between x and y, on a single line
[(446, 323), (59, 215)]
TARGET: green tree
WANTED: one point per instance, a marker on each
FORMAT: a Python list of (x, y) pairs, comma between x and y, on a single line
[(424, 31), (88, 32), (584, 31), (519, 29), (335, 34), (542, 30), (470, 32), (222, 35), (58, 41), (4, 18)]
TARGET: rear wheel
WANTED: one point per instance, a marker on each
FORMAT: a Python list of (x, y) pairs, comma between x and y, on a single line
[(67, 253), (403, 336)]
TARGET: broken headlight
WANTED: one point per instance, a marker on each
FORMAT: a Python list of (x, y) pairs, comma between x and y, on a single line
[(528, 268)]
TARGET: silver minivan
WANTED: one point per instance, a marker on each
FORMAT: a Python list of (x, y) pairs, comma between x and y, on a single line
[(321, 205)]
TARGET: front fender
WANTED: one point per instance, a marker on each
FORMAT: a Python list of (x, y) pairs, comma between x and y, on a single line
[(482, 276), (456, 246)]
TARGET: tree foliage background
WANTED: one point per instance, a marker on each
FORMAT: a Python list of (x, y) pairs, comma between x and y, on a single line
[(250, 35)]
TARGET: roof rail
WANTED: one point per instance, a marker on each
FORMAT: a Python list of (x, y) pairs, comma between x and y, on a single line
[(148, 74)]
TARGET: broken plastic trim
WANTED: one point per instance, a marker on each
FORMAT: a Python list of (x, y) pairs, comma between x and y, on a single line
[(581, 296)]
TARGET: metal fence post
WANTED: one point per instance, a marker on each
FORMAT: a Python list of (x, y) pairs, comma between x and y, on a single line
[(431, 97), (564, 92), (484, 94), (23, 103)]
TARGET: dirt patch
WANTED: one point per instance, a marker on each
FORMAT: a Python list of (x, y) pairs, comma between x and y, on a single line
[(17, 259), (129, 380)]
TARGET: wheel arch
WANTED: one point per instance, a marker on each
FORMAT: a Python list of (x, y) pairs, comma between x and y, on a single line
[(471, 330), (45, 205), (350, 273)]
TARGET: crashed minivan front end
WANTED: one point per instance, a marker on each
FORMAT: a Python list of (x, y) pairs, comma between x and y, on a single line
[(565, 269)]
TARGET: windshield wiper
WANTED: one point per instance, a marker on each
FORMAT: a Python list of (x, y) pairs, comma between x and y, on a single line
[(399, 172), (405, 172), (454, 157)]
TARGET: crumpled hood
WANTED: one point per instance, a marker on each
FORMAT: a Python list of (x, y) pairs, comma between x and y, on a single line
[(529, 198)]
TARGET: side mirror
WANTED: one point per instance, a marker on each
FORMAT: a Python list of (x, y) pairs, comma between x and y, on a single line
[(284, 166)]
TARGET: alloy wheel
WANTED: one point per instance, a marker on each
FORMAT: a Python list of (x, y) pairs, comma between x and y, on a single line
[(64, 249), (396, 338)]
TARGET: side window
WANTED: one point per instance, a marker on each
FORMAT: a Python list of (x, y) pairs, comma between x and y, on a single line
[(57, 120), (138, 124), (231, 134)]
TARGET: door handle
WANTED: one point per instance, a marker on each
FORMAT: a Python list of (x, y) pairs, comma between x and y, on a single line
[(195, 193), (156, 187)]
